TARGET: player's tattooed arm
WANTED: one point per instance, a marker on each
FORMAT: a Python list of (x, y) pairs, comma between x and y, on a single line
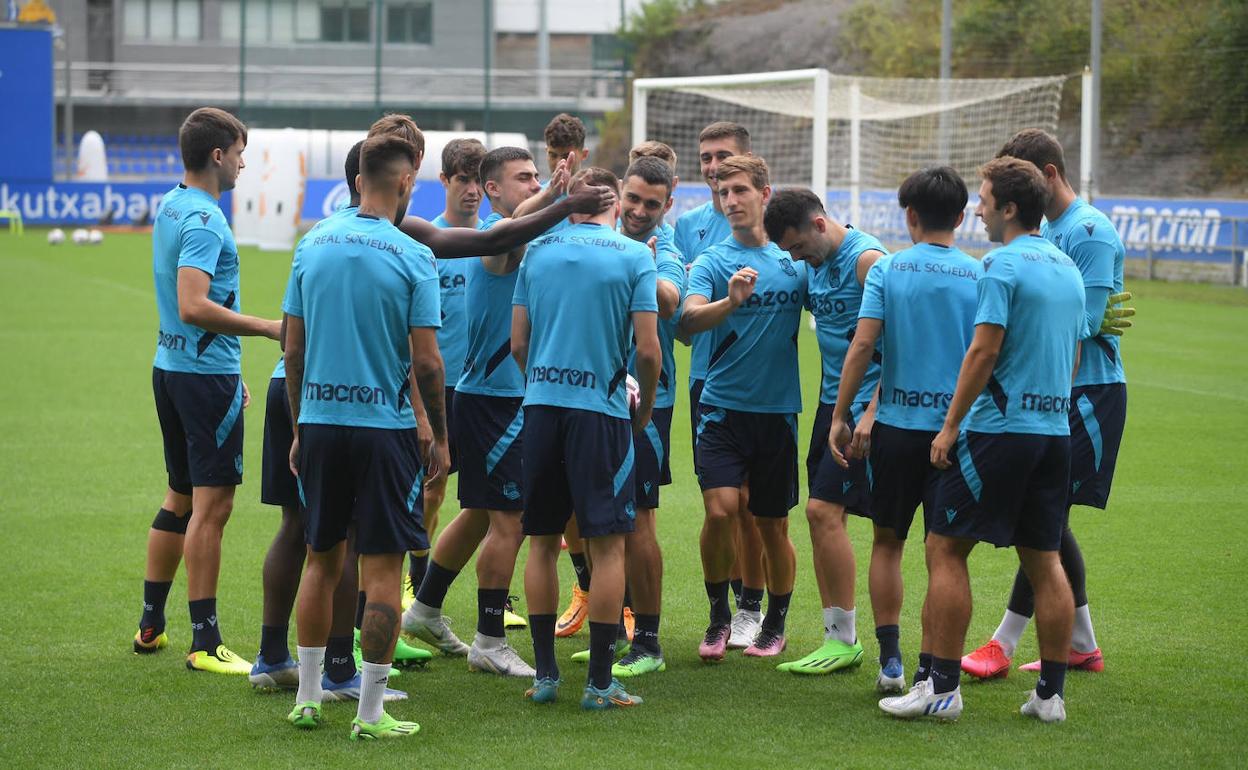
[(428, 379), (293, 338)]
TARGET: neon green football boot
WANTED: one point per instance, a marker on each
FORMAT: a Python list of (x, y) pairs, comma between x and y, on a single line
[(832, 655), (386, 727)]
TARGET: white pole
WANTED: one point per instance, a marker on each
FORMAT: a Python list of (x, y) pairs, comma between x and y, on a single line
[(543, 52), (1085, 137), (819, 138), (639, 113), (855, 151)]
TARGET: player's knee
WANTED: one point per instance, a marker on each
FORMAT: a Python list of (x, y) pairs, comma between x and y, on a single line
[(886, 543), (168, 521), (825, 515)]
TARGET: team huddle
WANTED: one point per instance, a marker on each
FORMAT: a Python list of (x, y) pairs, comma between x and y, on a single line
[(532, 353)]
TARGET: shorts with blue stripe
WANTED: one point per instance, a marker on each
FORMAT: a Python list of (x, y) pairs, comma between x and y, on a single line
[(1098, 414), (488, 437), (201, 424), (653, 467), (576, 460), (1008, 489)]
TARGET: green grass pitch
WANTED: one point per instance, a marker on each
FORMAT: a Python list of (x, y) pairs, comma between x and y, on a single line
[(83, 475)]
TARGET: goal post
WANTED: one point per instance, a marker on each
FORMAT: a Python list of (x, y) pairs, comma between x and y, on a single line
[(847, 134)]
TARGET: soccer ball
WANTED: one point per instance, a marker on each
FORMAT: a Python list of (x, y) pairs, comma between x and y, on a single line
[(96, 236), (634, 392), (80, 236), (56, 236)]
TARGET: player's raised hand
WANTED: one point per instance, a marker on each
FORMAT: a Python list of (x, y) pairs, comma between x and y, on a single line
[(561, 176), (592, 199), (1114, 322), (741, 286), (942, 446), (839, 438)]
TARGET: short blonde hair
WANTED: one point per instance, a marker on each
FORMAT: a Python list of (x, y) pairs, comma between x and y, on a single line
[(654, 149), (751, 165)]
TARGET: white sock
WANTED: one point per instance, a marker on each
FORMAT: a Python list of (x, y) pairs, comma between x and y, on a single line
[(483, 642), (421, 610), (310, 661), (840, 624), (1010, 631), (374, 679), (755, 615), (1082, 639)]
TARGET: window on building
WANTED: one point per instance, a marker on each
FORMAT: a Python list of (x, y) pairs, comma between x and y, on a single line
[(162, 19), (408, 22), (346, 21), (268, 21)]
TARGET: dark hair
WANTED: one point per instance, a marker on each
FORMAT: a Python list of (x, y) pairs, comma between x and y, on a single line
[(352, 168), (596, 176), (379, 153), (402, 126), (937, 194), (1019, 182), (565, 132), (652, 171), (790, 208), (205, 130), (724, 129), (1036, 146), (494, 161), (654, 149), (462, 156)]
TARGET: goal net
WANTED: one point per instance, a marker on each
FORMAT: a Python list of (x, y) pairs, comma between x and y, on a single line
[(846, 134)]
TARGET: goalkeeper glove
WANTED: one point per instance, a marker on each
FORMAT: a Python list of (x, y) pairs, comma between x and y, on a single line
[(1115, 319)]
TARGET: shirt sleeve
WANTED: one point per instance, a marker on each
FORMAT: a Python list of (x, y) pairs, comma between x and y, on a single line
[(672, 269), (520, 295), (424, 310), (873, 291), (292, 302), (200, 248), (702, 278), (1094, 302), (993, 304), (1095, 257), (645, 298)]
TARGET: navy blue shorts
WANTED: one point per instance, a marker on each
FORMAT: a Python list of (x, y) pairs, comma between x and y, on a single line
[(651, 449), (1008, 489), (277, 483), (1098, 414), (828, 481), (902, 477), (577, 460), (450, 430), (761, 448), (201, 424), (488, 434), (695, 398), (369, 478)]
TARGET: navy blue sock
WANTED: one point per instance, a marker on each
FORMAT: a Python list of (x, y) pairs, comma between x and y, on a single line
[(581, 565), (889, 638), (945, 674), (646, 634), (206, 632), (601, 653), (718, 594), (274, 646), (542, 629), (155, 594), (751, 599), (924, 669), (777, 611), (736, 591), (1052, 678), (436, 583), (416, 568), (340, 658), (490, 603)]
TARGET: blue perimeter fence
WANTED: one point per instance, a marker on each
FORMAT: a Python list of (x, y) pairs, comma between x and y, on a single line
[(1158, 233)]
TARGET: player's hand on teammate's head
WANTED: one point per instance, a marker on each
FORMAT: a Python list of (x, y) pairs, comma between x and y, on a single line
[(1114, 322), (741, 285), (592, 199)]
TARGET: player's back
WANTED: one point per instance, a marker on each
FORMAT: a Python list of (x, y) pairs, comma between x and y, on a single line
[(1087, 236), (580, 286), (752, 365), (190, 231), (1035, 292), (925, 295), (835, 297), (360, 284)]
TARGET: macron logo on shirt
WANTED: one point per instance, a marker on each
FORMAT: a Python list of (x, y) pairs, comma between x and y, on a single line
[(349, 394), (577, 378)]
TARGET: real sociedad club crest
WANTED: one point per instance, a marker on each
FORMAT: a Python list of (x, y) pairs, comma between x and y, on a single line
[(786, 265)]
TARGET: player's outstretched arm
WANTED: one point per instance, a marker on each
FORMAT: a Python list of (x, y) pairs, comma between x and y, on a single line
[(649, 362), (977, 366), (429, 380), (857, 359), (195, 308)]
